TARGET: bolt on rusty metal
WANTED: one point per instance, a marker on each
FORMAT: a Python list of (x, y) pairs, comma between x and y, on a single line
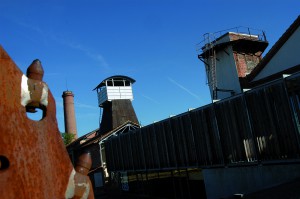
[(34, 163), (82, 181), (35, 73)]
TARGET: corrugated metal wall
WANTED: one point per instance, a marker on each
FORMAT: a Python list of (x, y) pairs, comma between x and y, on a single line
[(260, 125)]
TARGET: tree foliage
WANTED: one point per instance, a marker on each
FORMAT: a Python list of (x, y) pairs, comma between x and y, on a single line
[(67, 138)]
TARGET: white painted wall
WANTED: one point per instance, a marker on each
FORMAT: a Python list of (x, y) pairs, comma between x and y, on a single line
[(288, 56), (227, 75), (119, 92), (109, 93)]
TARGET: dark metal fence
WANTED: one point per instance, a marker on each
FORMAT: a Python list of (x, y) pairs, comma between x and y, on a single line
[(258, 126)]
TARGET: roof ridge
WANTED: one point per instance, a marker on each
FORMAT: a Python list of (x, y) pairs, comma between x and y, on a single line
[(274, 49)]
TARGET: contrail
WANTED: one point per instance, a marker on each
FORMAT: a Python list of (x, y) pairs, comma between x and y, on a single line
[(96, 56), (183, 88), (151, 99)]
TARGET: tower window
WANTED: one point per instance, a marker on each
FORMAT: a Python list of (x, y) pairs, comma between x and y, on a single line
[(109, 83), (127, 83), (118, 83)]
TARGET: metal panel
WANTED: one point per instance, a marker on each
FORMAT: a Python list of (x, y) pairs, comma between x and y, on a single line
[(109, 157), (125, 150), (179, 142), (261, 124), (149, 156), (234, 129), (137, 150), (170, 143), (206, 135), (292, 84), (161, 145), (272, 122), (153, 142), (188, 136), (118, 158)]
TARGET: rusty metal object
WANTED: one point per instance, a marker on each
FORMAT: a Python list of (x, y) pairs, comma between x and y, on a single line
[(35, 70), (83, 185), (34, 163), (84, 163), (36, 87)]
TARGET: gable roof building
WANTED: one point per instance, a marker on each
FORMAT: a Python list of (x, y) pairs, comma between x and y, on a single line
[(117, 117), (283, 57)]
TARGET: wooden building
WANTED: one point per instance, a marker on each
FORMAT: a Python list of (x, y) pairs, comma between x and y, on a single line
[(117, 117)]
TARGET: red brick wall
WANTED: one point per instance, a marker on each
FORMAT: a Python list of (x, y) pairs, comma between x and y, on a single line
[(245, 63)]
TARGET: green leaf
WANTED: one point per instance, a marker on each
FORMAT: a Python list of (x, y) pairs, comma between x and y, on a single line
[(67, 138)]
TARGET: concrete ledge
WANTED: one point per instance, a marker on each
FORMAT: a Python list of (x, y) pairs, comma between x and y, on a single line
[(225, 182)]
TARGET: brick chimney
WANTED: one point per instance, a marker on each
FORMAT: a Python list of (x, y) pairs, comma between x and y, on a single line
[(69, 113)]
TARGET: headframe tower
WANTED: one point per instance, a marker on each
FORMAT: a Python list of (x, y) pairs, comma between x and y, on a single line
[(114, 98)]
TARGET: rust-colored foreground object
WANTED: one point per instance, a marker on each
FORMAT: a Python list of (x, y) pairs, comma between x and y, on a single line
[(34, 163)]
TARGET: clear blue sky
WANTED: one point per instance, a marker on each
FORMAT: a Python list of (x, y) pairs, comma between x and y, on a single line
[(152, 41)]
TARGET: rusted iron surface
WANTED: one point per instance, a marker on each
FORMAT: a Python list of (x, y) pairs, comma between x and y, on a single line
[(82, 181), (37, 96), (34, 163)]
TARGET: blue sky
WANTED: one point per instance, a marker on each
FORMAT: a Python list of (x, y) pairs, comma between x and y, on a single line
[(80, 43)]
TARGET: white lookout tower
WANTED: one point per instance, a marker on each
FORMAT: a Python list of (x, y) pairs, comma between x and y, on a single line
[(114, 99), (115, 88)]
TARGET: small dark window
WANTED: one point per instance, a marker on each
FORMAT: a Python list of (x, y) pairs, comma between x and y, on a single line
[(118, 83), (127, 83), (109, 83)]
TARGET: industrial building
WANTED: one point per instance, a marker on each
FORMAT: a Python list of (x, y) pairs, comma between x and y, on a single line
[(245, 143), (117, 117), (230, 58)]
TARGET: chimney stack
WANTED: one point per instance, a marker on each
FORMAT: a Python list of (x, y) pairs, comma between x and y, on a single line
[(69, 113)]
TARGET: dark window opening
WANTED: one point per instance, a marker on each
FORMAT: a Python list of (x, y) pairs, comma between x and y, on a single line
[(118, 83), (109, 83), (127, 83)]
